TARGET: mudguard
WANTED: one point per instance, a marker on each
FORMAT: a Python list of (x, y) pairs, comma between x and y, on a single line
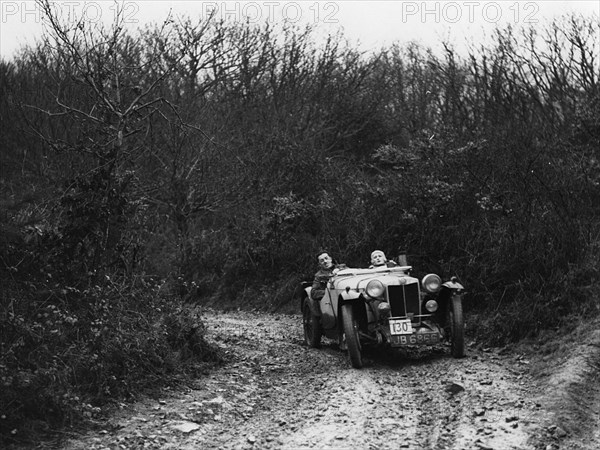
[(314, 309), (449, 290), (453, 285), (348, 296), (304, 292)]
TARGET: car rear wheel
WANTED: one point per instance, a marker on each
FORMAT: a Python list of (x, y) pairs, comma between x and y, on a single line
[(457, 327), (351, 335), (312, 326)]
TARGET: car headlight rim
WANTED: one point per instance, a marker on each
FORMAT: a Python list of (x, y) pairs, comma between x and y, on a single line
[(375, 289), (431, 283)]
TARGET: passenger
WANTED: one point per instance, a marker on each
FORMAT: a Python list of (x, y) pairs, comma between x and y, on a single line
[(380, 308), (378, 259)]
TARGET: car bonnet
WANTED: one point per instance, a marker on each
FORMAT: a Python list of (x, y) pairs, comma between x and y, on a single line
[(357, 279)]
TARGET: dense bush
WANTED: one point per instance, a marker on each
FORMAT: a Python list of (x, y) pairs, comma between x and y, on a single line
[(67, 351)]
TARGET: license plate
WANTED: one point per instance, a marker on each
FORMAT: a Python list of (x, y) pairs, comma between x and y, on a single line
[(400, 326), (416, 339)]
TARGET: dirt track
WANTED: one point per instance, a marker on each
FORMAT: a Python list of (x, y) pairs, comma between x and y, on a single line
[(278, 393)]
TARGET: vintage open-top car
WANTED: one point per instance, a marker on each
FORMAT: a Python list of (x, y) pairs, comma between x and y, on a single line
[(385, 306)]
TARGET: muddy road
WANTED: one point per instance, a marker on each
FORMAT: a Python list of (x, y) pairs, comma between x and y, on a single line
[(277, 393)]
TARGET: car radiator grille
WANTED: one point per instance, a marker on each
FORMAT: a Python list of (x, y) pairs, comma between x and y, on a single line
[(404, 300)]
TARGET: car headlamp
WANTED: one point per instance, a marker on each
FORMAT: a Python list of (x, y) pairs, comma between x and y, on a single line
[(375, 289), (432, 283), (431, 306), (384, 309)]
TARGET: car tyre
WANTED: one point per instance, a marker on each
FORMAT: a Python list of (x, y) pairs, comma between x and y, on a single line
[(351, 335), (312, 326), (457, 327)]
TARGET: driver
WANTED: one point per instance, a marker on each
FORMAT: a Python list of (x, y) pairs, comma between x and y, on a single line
[(378, 259), (327, 269)]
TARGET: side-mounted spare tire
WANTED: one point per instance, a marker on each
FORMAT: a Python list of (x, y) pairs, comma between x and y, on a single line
[(311, 325)]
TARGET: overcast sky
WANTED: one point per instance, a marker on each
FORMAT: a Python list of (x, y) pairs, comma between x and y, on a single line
[(372, 23)]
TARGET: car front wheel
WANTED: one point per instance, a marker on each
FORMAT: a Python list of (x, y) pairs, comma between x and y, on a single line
[(351, 335), (312, 326), (457, 326)]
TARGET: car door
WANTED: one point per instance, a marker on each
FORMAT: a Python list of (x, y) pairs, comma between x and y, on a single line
[(328, 306)]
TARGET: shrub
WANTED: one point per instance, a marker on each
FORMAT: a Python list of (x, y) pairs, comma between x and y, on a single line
[(66, 352)]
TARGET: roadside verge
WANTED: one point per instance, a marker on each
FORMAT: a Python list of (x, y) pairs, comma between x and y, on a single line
[(568, 369)]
